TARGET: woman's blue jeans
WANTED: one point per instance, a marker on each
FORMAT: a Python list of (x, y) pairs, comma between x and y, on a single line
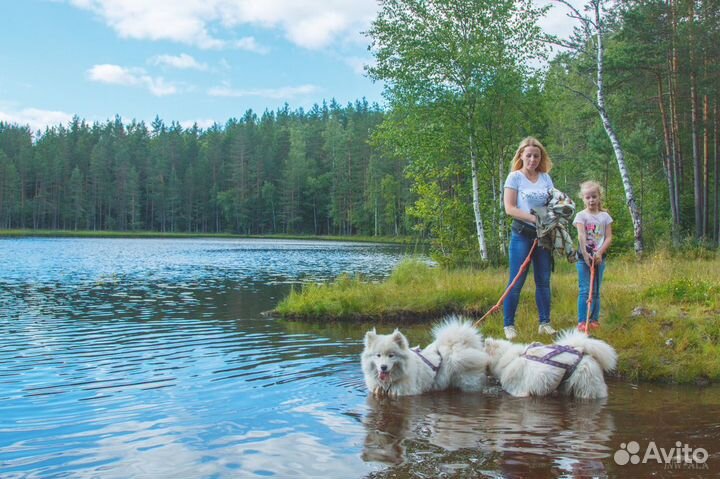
[(584, 284), (542, 266)]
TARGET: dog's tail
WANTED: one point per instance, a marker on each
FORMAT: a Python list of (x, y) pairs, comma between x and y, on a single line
[(601, 351), (455, 331)]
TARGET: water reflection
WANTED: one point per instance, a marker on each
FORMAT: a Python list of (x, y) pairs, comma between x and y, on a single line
[(519, 437)]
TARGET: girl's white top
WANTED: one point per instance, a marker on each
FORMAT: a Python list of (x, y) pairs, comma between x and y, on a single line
[(595, 225), (530, 195)]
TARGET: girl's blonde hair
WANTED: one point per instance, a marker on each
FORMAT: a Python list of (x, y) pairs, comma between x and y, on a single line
[(545, 162), (593, 185)]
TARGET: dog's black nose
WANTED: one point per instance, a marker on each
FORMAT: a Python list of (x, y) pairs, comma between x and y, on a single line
[(383, 368)]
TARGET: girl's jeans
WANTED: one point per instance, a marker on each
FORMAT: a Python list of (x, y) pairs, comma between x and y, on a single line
[(584, 283), (541, 264)]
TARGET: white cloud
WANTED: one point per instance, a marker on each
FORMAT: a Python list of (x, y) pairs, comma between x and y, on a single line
[(113, 74), (203, 123), (358, 64), (36, 118), (283, 93), (556, 21), (181, 62), (211, 23), (307, 23), (182, 21), (117, 75), (314, 32), (251, 45)]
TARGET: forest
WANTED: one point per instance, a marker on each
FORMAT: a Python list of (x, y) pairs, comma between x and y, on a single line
[(290, 172), (631, 100)]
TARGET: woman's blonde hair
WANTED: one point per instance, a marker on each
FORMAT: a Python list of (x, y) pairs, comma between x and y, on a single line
[(591, 185), (545, 162)]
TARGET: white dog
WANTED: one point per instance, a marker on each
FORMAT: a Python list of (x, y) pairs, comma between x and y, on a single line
[(574, 365), (455, 359)]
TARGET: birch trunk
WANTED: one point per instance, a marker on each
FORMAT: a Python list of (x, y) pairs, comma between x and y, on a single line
[(617, 148), (480, 229), (502, 231)]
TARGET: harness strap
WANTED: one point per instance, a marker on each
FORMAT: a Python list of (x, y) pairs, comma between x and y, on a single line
[(556, 350), (427, 361)]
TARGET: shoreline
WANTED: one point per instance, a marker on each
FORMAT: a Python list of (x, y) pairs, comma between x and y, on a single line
[(31, 233), (659, 313)]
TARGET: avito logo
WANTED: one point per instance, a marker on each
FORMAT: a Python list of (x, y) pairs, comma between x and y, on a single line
[(680, 456)]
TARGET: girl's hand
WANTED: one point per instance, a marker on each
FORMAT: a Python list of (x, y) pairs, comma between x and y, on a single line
[(598, 258), (587, 258)]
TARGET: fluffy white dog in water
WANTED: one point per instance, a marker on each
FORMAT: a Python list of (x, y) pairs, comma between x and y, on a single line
[(455, 359), (573, 365)]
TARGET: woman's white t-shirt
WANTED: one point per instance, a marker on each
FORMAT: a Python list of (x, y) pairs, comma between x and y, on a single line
[(530, 195), (595, 226)]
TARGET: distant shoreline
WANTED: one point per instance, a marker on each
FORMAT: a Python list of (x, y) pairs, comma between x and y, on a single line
[(28, 233)]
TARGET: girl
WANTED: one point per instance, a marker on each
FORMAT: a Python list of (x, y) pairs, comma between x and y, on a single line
[(526, 187), (594, 226)]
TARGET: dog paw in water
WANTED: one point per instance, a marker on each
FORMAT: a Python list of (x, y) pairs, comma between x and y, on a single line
[(380, 392)]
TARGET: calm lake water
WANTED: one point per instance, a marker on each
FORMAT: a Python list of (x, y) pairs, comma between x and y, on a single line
[(141, 358)]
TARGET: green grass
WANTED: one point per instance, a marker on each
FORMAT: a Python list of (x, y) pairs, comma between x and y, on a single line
[(660, 313)]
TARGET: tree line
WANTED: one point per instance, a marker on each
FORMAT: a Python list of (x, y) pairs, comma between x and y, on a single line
[(289, 172), (631, 101)]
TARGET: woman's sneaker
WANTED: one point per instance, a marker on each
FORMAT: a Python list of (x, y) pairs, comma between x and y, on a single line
[(545, 328), (510, 333)]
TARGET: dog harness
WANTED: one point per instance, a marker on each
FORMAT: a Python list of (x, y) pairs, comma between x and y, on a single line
[(427, 361), (554, 355)]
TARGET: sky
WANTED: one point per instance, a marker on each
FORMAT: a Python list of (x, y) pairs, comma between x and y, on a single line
[(190, 61)]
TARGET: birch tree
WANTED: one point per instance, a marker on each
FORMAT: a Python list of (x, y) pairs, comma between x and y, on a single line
[(432, 50), (592, 31)]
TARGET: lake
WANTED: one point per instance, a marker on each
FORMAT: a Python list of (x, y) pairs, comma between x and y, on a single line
[(151, 358)]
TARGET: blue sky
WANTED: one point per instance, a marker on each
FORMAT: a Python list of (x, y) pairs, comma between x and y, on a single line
[(189, 61)]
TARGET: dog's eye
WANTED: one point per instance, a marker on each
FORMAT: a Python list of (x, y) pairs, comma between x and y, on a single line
[(391, 355), (378, 355)]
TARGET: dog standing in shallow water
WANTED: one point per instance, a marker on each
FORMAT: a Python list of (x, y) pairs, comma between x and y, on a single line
[(455, 359), (573, 365)]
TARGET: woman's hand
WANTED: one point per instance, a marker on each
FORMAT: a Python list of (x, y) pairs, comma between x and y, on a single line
[(598, 258)]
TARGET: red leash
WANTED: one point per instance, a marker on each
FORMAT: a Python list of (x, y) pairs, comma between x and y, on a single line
[(523, 267)]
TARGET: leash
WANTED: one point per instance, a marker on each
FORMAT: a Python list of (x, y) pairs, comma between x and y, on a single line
[(427, 361), (589, 301), (523, 268)]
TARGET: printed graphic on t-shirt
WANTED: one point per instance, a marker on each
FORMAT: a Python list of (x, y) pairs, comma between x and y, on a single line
[(535, 197), (591, 234)]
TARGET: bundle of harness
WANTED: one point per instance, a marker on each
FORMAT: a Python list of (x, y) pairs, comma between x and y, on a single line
[(552, 225)]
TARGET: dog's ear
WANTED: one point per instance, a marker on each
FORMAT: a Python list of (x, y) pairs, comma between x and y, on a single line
[(400, 339), (490, 344), (370, 337)]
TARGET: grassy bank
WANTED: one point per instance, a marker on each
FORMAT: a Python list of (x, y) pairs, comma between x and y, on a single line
[(660, 313), (21, 233)]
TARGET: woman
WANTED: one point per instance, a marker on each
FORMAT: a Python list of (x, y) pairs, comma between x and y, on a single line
[(527, 187)]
